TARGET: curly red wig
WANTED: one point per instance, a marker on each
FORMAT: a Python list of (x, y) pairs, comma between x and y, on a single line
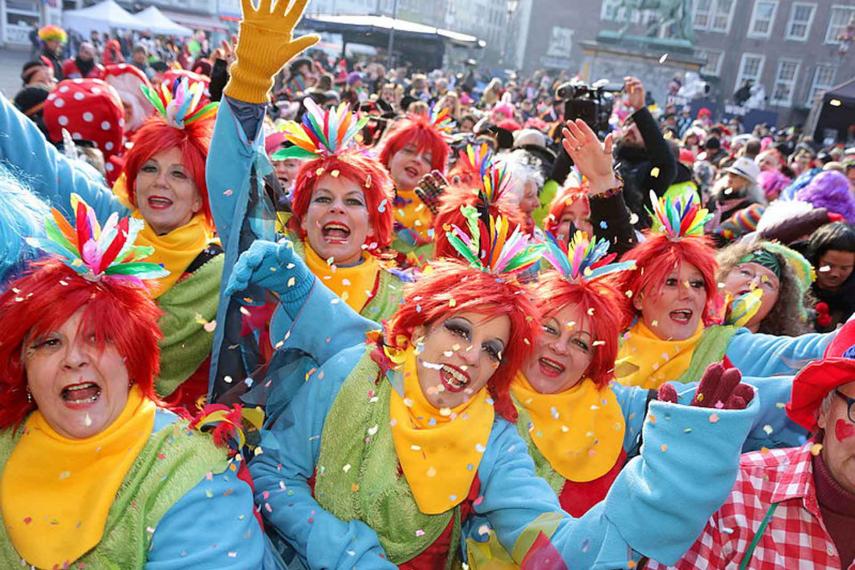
[(155, 136), (609, 316), (417, 130), (658, 256), (449, 214), (42, 300), (358, 168), (451, 283), (565, 197)]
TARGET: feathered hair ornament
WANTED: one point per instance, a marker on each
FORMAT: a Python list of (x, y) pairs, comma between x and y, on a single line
[(488, 247), (97, 253), (179, 103), (322, 133), (478, 159), (442, 121), (678, 216), (584, 258)]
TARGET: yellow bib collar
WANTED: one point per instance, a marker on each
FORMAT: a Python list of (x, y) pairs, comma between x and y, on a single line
[(579, 431), (355, 285), (647, 361), (439, 450), (56, 492)]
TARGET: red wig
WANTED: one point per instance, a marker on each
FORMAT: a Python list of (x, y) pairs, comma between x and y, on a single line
[(453, 286), (608, 316), (47, 297), (155, 136), (358, 168), (417, 130), (449, 214), (658, 256), (564, 198)]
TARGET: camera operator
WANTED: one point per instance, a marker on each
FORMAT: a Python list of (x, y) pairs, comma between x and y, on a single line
[(644, 159)]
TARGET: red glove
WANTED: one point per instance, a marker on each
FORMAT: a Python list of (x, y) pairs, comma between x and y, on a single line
[(719, 388)]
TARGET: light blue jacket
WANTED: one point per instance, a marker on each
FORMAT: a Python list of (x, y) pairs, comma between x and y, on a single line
[(758, 355)]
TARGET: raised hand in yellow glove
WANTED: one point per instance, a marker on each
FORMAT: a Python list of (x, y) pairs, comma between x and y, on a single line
[(265, 45)]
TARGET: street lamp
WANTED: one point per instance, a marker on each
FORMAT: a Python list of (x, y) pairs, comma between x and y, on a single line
[(512, 7)]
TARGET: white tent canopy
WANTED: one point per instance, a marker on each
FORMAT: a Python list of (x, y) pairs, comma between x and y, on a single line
[(101, 17), (160, 24)]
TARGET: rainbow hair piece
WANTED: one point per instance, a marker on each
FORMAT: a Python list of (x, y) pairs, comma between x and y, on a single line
[(179, 103), (584, 258), (97, 253), (488, 247), (442, 121), (679, 215), (52, 32), (322, 133)]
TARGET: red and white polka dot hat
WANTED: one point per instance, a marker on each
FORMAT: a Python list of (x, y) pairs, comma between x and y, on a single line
[(90, 110)]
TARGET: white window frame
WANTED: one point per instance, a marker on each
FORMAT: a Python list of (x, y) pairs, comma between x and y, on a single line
[(741, 77), (791, 22), (696, 12), (754, 19), (704, 53), (788, 102), (710, 15), (715, 12), (814, 88), (831, 38)]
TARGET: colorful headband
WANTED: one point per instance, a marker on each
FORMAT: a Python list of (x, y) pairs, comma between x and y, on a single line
[(489, 248), (322, 133), (179, 103), (801, 267), (677, 216), (95, 253), (584, 258), (764, 257)]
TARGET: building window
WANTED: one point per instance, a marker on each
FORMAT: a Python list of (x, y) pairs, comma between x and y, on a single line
[(713, 15), (785, 82), (823, 80), (763, 18), (801, 19), (750, 68), (712, 58), (841, 17), (614, 11)]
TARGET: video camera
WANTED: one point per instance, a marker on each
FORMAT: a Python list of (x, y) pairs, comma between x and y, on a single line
[(591, 103)]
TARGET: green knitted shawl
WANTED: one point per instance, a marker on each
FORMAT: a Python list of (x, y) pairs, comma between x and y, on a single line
[(186, 307), (358, 475), (173, 461), (711, 348), (541, 465)]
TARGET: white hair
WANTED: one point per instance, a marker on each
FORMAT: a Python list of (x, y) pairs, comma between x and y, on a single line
[(522, 169)]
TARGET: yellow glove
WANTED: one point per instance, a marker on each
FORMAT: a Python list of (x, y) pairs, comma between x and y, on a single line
[(265, 45)]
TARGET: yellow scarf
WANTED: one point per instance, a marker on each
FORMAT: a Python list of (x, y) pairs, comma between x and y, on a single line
[(56, 492), (579, 431), (647, 361), (414, 214), (439, 450), (355, 285), (176, 250)]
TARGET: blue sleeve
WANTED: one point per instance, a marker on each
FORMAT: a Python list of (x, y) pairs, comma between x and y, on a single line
[(212, 526), (282, 471), (46, 171), (661, 485), (633, 402), (758, 354)]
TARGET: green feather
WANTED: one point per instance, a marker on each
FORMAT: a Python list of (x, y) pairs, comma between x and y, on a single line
[(293, 152), (463, 250)]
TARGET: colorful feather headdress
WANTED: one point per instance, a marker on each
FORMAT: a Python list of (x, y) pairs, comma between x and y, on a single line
[(477, 159), (441, 120), (97, 253), (322, 133), (584, 258), (179, 103), (678, 216), (488, 247)]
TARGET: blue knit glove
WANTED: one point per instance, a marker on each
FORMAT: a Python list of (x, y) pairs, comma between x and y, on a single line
[(272, 266)]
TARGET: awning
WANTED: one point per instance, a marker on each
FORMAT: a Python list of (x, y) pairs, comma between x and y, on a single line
[(160, 24), (369, 24), (204, 22), (102, 17)]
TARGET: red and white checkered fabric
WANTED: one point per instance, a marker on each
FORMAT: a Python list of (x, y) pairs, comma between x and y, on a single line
[(795, 536)]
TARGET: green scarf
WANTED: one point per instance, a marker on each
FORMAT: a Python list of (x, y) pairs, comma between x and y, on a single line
[(711, 348), (357, 473), (172, 462)]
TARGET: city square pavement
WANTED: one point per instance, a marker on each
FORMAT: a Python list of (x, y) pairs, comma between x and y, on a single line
[(11, 62)]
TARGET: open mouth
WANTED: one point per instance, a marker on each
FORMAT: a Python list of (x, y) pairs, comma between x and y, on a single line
[(82, 394), (159, 203), (411, 172), (335, 232), (681, 316), (550, 368), (453, 378)]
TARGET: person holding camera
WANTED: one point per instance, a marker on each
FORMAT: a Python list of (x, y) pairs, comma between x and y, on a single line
[(644, 160)]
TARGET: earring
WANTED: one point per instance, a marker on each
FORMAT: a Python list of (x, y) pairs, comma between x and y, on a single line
[(29, 396)]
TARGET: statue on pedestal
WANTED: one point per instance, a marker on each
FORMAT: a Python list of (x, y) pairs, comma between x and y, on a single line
[(674, 17)]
